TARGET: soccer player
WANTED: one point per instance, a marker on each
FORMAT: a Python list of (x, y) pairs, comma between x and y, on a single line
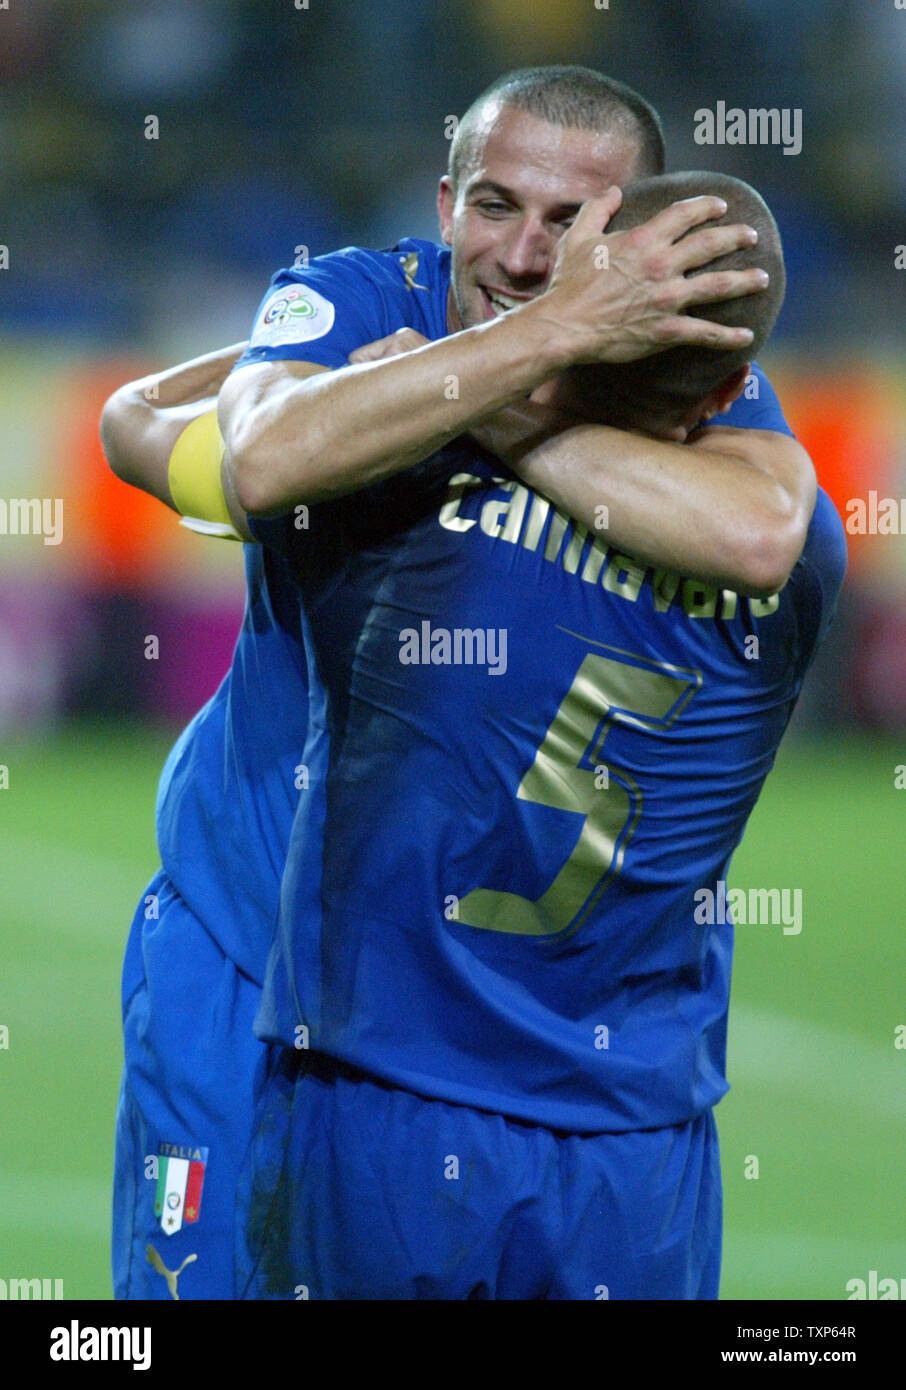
[(197, 948), (527, 155), (203, 866), (500, 1029)]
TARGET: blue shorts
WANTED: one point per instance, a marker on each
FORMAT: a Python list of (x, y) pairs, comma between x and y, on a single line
[(357, 1190), (192, 1064)]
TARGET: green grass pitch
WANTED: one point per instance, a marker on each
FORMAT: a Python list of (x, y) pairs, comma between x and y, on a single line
[(819, 1087)]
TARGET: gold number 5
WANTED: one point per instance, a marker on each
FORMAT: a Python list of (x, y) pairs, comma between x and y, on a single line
[(620, 689)]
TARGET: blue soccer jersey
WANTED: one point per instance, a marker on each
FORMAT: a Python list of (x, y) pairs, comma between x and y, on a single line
[(229, 787), (340, 302), (529, 755), (533, 755)]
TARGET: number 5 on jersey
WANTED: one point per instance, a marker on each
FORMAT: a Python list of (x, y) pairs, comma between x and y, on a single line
[(620, 689)]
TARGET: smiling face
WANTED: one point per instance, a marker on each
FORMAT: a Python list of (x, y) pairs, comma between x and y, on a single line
[(521, 188)]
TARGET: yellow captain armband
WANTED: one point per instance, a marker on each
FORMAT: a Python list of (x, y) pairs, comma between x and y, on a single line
[(195, 482)]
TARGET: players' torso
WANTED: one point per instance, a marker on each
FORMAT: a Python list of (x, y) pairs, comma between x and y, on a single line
[(533, 754)]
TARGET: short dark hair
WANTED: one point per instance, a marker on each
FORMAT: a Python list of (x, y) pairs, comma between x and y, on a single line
[(575, 97), (665, 386)]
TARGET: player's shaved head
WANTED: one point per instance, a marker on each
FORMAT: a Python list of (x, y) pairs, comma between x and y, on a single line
[(574, 97), (662, 389)]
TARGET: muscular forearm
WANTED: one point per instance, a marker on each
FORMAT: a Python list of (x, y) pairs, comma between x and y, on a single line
[(297, 434), (732, 508), (142, 421)]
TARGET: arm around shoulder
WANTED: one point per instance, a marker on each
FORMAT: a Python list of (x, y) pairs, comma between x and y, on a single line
[(768, 537)]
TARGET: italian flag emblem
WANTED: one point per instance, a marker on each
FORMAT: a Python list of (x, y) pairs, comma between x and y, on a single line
[(180, 1179)]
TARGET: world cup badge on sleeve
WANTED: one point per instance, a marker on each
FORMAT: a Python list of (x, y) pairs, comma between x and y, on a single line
[(180, 1179), (294, 314)]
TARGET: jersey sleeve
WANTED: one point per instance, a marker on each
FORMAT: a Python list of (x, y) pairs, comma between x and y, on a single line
[(756, 409), (324, 311), (321, 313), (817, 578)]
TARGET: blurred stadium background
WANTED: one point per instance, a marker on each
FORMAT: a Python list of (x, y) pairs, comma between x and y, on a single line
[(283, 125)]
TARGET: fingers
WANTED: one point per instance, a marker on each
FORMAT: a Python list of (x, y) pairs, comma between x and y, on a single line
[(672, 296), (708, 243), (593, 216), (699, 246), (674, 222), (693, 332), (546, 393), (403, 340), (723, 284)]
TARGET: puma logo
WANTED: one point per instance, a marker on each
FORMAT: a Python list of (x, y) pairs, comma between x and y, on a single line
[(410, 270), (171, 1275)]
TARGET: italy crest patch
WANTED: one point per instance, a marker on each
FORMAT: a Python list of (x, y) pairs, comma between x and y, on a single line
[(180, 1179)]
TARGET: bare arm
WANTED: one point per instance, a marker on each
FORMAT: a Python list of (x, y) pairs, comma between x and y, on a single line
[(297, 433), (142, 421), (731, 507)]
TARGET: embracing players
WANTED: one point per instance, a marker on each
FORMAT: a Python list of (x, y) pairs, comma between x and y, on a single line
[(715, 512), (499, 1031)]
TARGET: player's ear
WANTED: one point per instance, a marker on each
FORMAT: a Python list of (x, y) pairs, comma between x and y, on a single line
[(446, 201), (723, 396)]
